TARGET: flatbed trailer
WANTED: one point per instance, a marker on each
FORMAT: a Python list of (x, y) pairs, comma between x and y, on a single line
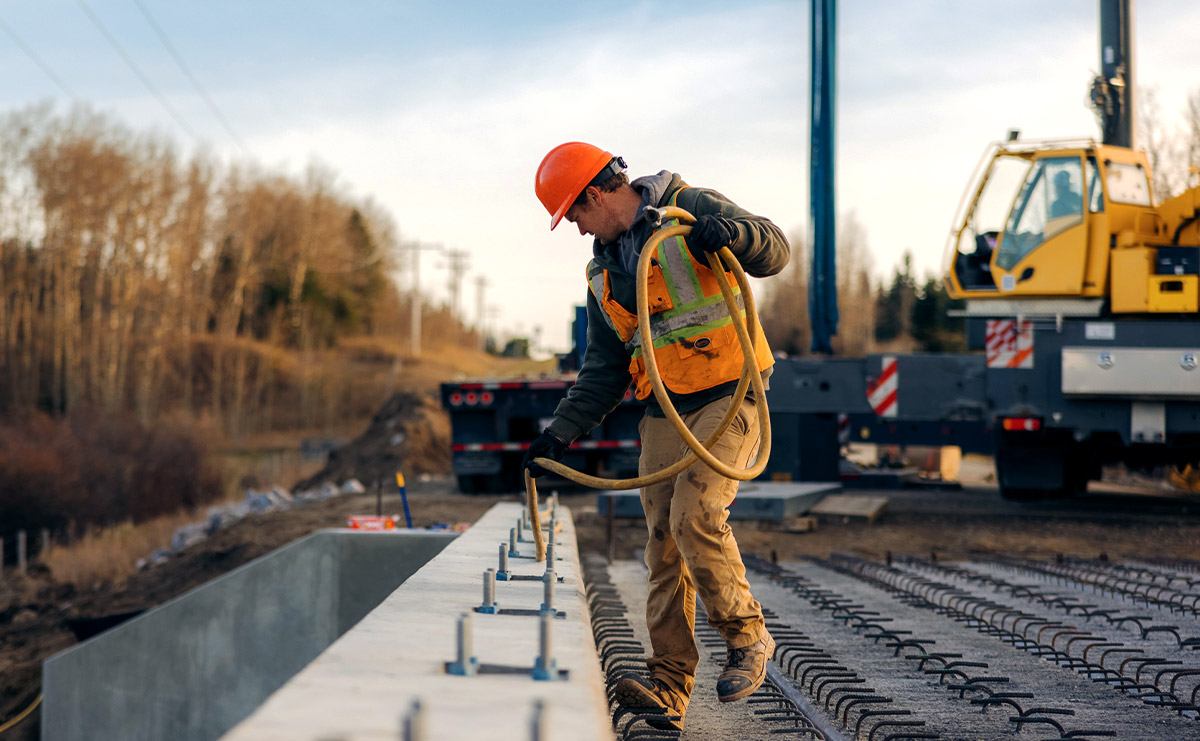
[(1053, 398), (494, 421)]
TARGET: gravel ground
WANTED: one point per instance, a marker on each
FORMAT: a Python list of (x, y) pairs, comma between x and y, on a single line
[(707, 718)]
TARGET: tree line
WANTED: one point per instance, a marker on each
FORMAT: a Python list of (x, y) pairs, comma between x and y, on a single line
[(135, 279), (901, 314)]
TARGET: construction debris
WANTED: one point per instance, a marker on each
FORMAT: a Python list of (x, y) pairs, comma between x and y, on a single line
[(410, 433)]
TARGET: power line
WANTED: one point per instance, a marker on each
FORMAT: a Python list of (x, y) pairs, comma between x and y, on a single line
[(136, 70), (212, 106), (37, 60)]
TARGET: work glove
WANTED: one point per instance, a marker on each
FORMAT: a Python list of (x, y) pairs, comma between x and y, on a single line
[(711, 233), (547, 445)]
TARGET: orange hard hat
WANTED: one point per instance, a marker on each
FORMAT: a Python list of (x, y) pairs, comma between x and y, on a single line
[(565, 172)]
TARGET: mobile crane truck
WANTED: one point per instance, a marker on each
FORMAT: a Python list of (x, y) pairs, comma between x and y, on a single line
[(1081, 291)]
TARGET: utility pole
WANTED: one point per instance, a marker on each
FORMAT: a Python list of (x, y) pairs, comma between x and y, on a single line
[(457, 262), (415, 248), (481, 283)]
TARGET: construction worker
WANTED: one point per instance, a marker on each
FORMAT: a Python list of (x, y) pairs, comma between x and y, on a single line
[(690, 547)]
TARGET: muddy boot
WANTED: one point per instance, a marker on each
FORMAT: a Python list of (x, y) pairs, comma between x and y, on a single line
[(633, 691), (745, 669)]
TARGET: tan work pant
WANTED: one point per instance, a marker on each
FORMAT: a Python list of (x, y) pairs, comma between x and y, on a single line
[(691, 546)]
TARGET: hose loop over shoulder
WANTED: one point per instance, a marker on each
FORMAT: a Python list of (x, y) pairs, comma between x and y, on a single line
[(748, 333)]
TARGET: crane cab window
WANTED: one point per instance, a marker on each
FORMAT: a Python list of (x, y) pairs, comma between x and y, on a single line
[(1127, 183), (977, 235), (1050, 202)]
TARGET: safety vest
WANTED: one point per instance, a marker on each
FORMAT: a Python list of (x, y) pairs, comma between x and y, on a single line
[(694, 338)]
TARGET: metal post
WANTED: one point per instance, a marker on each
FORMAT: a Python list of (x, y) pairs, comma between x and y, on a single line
[(1113, 92), (21, 544), (414, 726), (548, 590), (545, 668), (539, 724), (502, 572), (465, 663), (1, 555), (489, 592), (512, 543), (45, 547), (466, 646), (822, 291), (520, 531), (544, 643)]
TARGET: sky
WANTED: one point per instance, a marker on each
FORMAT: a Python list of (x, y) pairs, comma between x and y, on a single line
[(440, 111)]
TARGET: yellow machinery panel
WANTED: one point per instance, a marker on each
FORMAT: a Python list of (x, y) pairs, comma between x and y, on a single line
[(1131, 271), (1174, 293)]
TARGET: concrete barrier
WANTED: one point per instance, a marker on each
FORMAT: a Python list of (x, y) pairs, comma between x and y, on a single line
[(194, 667), (364, 686)]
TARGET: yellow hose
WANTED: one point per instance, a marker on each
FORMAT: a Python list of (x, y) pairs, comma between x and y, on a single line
[(748, 333), (22, 715)]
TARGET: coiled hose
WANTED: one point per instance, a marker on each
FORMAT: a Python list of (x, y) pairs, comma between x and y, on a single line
[(748, 332)]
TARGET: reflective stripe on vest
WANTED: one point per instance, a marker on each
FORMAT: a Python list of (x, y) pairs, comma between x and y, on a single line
[(686, 302)]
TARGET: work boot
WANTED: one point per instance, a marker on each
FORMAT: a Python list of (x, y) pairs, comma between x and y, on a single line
[(745, 669), (633, 691)]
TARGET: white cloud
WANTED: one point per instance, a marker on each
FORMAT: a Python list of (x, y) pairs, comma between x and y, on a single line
[(445, 128), (455, 161)]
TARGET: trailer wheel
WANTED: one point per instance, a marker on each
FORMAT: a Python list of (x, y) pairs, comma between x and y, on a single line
[(1030, 468), (470, 483)]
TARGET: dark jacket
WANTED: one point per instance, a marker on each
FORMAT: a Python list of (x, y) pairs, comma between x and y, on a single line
[(604, 376)]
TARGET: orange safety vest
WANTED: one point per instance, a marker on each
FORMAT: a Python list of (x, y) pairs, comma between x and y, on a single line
[(692, 331)]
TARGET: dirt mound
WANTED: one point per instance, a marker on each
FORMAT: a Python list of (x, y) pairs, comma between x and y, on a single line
[(409, 434)]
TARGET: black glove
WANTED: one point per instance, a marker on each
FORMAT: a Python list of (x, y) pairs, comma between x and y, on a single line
[(711, 233), (548, 445)]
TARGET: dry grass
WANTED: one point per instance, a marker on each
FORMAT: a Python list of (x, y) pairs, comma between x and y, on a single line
[(269, 458), (249, 469), (110, 555)]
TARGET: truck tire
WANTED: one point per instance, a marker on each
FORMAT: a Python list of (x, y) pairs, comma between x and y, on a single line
[(470, 483), (1033, 468)]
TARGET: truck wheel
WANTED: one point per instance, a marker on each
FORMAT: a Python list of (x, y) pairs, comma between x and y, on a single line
[(1039, 469), (469, 483)]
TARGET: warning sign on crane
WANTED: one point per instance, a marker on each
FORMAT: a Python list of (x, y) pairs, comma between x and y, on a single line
[(1009, 346)]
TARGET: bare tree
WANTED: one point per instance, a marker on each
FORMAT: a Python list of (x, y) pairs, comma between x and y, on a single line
[(855, 298), (1193, 138), (1162, 146), (784, 305)]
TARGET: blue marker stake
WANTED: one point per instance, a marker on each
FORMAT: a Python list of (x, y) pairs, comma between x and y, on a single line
[(404, 499)]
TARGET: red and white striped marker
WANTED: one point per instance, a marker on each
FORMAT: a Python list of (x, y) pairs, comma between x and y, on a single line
[(881, 391), (1009, 346)]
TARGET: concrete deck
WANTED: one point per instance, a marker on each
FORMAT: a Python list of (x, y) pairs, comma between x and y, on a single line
[(363, 685)]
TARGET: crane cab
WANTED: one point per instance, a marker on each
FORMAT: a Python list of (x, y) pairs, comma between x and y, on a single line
[(1042, 220)]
